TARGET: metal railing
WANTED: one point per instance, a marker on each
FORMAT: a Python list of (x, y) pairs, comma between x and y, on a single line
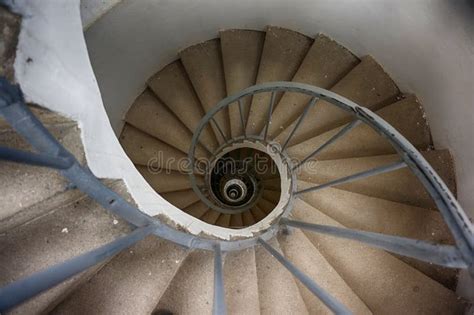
[(50, 153)]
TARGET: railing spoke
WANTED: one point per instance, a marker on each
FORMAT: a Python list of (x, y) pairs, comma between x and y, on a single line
[(333, 304), (219, 307), (26, 288), (333, 139), (443, 255), (219, 129), (242, 119), (300, 120), (357, 176), (269, 115), (36, 159)]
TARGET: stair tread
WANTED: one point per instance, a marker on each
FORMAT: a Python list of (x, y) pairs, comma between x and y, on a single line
[(53, 238), (197, 209), (283, 51), (175, 90), (324, 65), (203, 64), (151, 116), (247, 218), (257, 213), (145, 269), (301, 252), (240, 281), (163, 181), (22, 185), (271, 195), (277, 288), (146, 150), (369, 272), (210, 216), (236, 220), (361, 212), (366, 84), (266, 205), (223, 220), (241, 52), (181, 199), (47, 117), (400, 185), (191, 290), (406, 116)]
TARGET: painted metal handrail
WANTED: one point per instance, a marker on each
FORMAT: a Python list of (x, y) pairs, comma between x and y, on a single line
[(452, 213), (50, 153), (30, 286)]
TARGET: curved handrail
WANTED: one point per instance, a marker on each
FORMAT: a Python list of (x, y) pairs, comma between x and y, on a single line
[(454, 216), (15, 111)]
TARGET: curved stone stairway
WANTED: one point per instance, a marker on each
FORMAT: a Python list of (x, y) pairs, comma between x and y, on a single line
[(52, 223)]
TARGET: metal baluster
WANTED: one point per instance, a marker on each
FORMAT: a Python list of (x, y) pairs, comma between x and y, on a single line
[(219, 129), (443, 255), (269, 115), (300, 120), (242, 119), (328, 300), (26, 288), (219, 307), (357, 176), (333, 139)]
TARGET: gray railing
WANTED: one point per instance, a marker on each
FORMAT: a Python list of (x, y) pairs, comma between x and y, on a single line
[(50, 153)]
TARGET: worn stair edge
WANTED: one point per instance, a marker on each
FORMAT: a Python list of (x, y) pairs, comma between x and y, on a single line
[(145, 271), (369, 272), (367, 213), (22, 185), (240, 282), (301, 252), (367, 84), (282, 54), (326, 63), (277, 288), (53, 238), (191, 290), (406, 116), (241, 53)]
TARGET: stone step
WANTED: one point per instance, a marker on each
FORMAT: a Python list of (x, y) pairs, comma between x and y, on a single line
[(191, 290), (406, 116), (367, 84), (203, 64), (283, 52), (366, 213), (146, 150), (301, 252), (277, 288), (59, 235), (386, 284), (151, 116), (399, 186), (131, 283), (241, 53), (175, 90), (324, 65)]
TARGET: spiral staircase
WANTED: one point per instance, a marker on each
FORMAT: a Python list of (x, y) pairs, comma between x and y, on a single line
[(269, 131)]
